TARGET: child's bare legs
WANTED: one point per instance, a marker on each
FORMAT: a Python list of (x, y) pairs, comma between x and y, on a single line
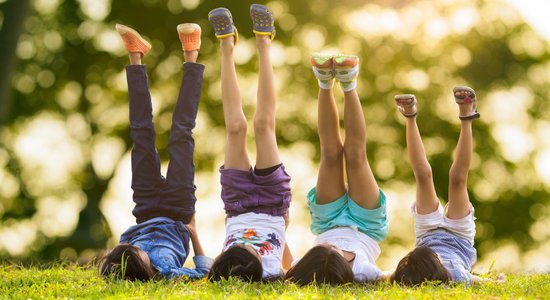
[(264, 118), (459, 204), (362, 185), (236, 156), (426, 197), (330, 182)]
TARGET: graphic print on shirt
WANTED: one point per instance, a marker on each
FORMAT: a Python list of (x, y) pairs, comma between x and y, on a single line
[(264, 244)]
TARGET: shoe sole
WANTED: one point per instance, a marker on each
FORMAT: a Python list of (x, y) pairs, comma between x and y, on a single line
[(188, 28), (345, 61), (321, 60)]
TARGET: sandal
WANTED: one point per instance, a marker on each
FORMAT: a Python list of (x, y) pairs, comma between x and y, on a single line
[(406, 102), (220, 18), (262, 20), (465, 95)]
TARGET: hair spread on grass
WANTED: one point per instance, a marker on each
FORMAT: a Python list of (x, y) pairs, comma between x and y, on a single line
[(420, 265), (321, 264), (125, 261), (238, 262)]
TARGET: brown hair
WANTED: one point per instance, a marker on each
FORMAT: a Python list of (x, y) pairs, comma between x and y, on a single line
[(321, 264), (126, 262), (237, 261), (421, 264)]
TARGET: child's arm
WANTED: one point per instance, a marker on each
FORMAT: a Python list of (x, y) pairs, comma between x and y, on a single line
[(197, 247), (385, 276), (287, 258), (501, 278)]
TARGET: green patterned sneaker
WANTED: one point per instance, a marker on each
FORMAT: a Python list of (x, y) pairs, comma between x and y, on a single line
[(346, 68), (322, 64)]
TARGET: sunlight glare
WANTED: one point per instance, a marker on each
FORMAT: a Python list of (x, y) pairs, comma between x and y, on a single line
[(59, 217), (95, 9), (16, 237)]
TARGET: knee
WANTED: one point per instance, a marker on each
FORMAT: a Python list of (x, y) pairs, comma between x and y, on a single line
[(423, 173), (355, 156), (236, 128), (458, 178), (264, 125), (332, 155)]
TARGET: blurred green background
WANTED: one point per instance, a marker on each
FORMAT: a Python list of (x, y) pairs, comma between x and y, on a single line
[(64, 139)]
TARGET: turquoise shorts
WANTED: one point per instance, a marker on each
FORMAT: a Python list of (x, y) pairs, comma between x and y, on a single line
[(345, 212)]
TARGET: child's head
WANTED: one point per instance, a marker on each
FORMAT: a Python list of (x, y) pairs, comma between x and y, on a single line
[(421, 264), (127, 262), (239, 261), (322, 264)]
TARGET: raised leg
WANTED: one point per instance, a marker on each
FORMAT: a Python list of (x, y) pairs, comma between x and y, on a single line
[(426, 197), (264, 118), (236, 156), (362, 185), (330, 182), (459, 204), (179, 199), (146, 177)]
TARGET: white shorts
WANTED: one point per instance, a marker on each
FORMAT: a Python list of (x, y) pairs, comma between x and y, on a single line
[(464, 227)]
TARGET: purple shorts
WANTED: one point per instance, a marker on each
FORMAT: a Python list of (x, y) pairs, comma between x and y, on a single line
[(244, 191)]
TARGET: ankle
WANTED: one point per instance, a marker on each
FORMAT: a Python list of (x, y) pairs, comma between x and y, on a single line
[(263, 40), (135, 58), (190, 56), (227, 46)]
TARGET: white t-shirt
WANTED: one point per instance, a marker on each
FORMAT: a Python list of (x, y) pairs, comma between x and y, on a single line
[(365, 248), (265, 233)]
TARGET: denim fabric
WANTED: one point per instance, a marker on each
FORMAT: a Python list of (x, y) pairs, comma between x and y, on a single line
[(164, 205), (167, 243), (154, 195)]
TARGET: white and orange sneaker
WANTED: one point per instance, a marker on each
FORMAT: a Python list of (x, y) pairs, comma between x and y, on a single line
[(190, 36), (322, 65), (346, 69), (133, 42)]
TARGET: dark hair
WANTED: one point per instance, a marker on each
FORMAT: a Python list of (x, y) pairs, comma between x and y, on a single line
[(421, 264), (125, 262), (321, 264), (237, 261)]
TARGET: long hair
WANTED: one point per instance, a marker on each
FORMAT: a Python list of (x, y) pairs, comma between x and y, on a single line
[(239, 262), (321, 264), (421, 264), (125, 262)]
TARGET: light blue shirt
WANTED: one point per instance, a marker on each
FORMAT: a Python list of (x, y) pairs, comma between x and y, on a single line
[(457, 254), (167, 243)]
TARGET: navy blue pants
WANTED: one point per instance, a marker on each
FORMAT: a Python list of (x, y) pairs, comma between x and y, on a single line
[(155, 195)]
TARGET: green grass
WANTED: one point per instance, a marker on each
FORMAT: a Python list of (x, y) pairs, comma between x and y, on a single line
[(70, 281)]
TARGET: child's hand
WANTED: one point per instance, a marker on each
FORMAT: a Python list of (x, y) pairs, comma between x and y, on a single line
[(385, 276), (287, 220), (191, 226)]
